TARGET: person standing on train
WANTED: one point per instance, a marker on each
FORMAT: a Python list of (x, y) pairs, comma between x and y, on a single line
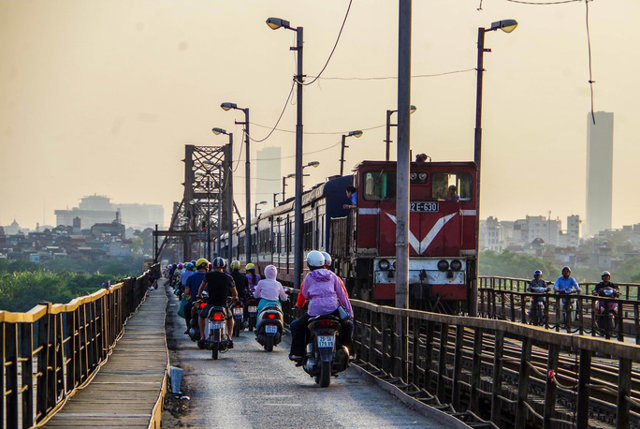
[(352, 194)]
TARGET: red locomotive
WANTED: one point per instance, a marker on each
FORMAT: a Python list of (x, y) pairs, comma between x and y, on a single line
[(443, 256)]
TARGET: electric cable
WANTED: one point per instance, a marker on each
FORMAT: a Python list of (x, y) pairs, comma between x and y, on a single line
[(591, 81), (396, 77)]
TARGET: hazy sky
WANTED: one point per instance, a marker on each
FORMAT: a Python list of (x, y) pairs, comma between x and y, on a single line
[(101, 96)]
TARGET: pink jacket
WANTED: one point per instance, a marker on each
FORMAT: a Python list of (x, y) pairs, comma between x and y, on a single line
[(270, 288), (325, 293)]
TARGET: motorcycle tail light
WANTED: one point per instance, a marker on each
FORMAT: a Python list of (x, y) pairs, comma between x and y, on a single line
[(203, 304), (325, 323), (218, 317), (271, 316)]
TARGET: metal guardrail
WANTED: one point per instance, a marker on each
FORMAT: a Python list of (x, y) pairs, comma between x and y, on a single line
[(507, 374), (507, 298), (53, 350)]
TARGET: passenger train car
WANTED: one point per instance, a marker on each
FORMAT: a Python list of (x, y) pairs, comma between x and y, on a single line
[(443, 255)]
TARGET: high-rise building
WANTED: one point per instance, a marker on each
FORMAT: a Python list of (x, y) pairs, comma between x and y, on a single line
[(268, 174), (599, 172)]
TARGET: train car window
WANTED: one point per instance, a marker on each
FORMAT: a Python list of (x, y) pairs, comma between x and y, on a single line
[(379, 185), (307, 235), (451, 186)]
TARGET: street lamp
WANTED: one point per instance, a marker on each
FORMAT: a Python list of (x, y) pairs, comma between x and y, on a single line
[(260, 203), (387, 139), (356, 134), (247, 167), (284, 184), (274, 24), (228, 176), (507, 25)]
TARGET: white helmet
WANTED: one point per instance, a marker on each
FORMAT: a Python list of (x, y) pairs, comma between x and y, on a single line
[(315, 259), (327, 258)]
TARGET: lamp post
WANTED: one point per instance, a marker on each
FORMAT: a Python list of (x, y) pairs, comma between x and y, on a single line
[(274, 24), (507, 25), (356, 134), (229, 187), (387, 139), (275, 194), (255, 211), (284, 184), (247, 167)]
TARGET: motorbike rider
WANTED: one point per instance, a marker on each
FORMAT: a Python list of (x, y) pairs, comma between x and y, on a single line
[(606, 282), (242, 284), (325, 294), (269, 289), (191, 288), (186, 273), (537, 285), (218, 285), (252, 277), (327, 260), (566, 284)]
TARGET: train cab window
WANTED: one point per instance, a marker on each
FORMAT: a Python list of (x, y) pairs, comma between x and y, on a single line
[(379, 185), (451, 186)]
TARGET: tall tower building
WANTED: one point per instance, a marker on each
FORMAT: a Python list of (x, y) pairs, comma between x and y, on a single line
[(268, 174), (599, 172)]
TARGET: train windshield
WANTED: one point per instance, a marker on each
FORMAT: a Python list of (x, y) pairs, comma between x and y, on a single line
[(451, 186), (379, 185)]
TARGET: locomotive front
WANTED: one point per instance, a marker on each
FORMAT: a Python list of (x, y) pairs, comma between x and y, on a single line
[(442, 234)]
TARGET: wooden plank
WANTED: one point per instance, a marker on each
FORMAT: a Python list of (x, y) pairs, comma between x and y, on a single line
[(624, 391), (496, 385), (457, 367), (523, 384), (442, 363), (550, 389), (475, 370)]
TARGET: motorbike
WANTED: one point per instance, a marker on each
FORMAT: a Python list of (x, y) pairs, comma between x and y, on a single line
[(566, 306), (238, 315), (606, 311), (252, 313), (194, 327), (324, 355), (538, 304), (270, 327), (216, 328)]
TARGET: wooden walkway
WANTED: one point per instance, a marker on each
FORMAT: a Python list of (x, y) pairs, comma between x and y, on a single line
[(128, 390)]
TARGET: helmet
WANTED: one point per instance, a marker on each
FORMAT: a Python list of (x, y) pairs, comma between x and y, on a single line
[(315, 259), (327, 258), (189, 266), (250, 266), (235, 265), (201, 263), (537, 273), (180, 266), (219, 263), (566, 268), (193, 262), (606, 273)]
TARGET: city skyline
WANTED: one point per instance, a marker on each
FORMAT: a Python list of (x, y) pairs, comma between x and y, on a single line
[(161, 84)]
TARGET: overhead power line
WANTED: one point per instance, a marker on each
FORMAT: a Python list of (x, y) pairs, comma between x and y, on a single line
[(334, 47), (396, 77), (538, 3), (317, 132)]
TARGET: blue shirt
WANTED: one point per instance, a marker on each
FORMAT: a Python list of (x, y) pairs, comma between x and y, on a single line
[(354, 199), (563, 284), (193, 283)]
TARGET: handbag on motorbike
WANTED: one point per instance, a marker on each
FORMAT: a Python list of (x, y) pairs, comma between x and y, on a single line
[(343, 313)]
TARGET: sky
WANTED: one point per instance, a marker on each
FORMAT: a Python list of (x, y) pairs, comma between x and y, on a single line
[(101, 96)]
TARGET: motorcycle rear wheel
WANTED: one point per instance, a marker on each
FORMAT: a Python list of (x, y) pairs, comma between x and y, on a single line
[(214, 352), (268, 344), (324, 378)]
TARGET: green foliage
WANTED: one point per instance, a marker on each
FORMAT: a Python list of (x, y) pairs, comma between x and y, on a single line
[(628, 271), (508, 264), (24, 284)]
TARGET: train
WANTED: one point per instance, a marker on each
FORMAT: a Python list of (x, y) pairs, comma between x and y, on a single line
[(361, 240)]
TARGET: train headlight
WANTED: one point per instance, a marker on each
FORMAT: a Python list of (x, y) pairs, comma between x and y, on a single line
[(383, 264), (456, 265), (443, 265)]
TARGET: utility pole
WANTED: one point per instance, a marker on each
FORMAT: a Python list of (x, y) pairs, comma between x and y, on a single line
[(297, 261), (402, 184), (229, 183)]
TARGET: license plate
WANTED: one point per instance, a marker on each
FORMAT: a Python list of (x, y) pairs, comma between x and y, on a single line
[(423, 206), (325, 341), (238, 311), (213, 325), (253, 309), (270, 329)]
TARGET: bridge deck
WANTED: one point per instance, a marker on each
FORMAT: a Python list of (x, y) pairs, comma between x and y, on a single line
[(248, 387), (126, 389)]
